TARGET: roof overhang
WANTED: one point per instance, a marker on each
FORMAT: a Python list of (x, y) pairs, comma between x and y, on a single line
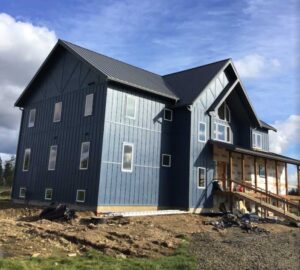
[(256, 153)]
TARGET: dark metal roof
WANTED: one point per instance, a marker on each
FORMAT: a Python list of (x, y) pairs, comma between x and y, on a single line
[(267, 126), (188, 84), (256, 153), (124, 73)]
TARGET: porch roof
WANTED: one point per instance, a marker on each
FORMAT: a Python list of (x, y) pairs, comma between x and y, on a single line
[(256, 153)]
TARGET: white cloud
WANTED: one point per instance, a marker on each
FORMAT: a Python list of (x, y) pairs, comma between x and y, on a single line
[(287, 134), (23, 47), (255, 66)]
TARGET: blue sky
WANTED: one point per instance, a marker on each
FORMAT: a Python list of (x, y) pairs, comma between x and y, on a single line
[(262, 38)]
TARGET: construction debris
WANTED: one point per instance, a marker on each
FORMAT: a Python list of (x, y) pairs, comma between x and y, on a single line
[(61, 212)]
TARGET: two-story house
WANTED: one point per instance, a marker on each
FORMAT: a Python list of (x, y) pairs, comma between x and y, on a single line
[(104, 135)]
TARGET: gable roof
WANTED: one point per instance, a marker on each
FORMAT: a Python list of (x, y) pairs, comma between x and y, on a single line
[(267, 126), (188, 84)]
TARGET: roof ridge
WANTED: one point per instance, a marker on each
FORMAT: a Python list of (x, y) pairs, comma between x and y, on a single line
[(103, 55), (189, 69)]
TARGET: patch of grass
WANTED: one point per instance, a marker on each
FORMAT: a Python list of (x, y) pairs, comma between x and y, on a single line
[(180, 260)]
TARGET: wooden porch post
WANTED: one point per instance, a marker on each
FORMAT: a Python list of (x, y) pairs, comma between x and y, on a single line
[(255, 173), (286, 179), (276, 175), (243, 168), (230, 170), (266, 175), (298, 174)]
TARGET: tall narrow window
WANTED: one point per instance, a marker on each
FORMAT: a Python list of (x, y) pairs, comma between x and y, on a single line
[(127, 157), (201, 177), (52, 158), (256, 140), (84, 156), (80, 195), (88, 110), (168, 114), (202, 132), (26, 160), (224, 112), (130, 107), (57, 112), (31, 119), (22, 192), (48, 194), (166, 160)]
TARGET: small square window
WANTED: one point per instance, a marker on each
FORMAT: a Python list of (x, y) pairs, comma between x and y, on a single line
[(31, 120), (48, 194), (168, 114), (80, 196), (57, 112), (201, 177), (22, 192), (130, 107), (166, 160)]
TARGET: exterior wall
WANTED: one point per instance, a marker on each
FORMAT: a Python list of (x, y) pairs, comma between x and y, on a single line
[(149, 182), (66, 79), (264, 137)]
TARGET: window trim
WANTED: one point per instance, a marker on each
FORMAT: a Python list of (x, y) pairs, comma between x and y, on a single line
[(162, 160), (135, 105), (57, 121), (50, 156), (30, 112), (80, 190), (229, 113), (48, 199), (201, 122), (198, 174), (254, 142), (85, 105), (82, 143), (171, 111), (225, 135), (22, 188), (132, 159), (27, 149)]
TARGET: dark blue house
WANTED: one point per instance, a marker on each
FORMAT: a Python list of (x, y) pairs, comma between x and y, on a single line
[(104, 135)]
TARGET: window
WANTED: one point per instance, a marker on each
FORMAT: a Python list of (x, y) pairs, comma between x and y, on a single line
[(26, 161), (166, 160), (127, 157), (88, 110), (57, 112), (48, 193), (22, 192), (201, 177), (261, 171), (168, 114), (52, 158), (256, 140), (80, 195), (224, 112), (84, 156), (202, 132), (222, 132), (31, 120), (130, 107)]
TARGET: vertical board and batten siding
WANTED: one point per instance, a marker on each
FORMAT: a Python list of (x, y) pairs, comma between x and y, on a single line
[(148, 183), (264, 137), (67, 81)]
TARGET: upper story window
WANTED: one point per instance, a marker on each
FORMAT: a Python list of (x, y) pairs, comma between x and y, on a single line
[(84, 156), (57, 112), (201, 177), (31, 119), (202, 132), (222, 132), (52, 158), (26, 160), (88, 109), (224, 112), (166, 160), (130, 107), (168, 114), (256, 140), (127, 157)]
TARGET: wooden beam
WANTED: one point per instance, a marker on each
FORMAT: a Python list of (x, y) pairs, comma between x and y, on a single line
[(255, 173), (243, 169), (230, 170), (266, 175), (286, 179), (276, 175), (298, 174)]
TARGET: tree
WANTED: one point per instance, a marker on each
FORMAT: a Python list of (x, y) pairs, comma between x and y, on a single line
[(8, 173)]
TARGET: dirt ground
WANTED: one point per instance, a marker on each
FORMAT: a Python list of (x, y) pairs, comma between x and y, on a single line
[(22, 234)]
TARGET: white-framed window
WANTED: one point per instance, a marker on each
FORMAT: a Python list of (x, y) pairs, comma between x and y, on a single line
[(222, 133), (57, 112), (166, 160), (201, 177), (31, 119), (168, 114), (84, 156), (48, 194), (224, 112), (80, 195), (52, 158), (202, 132), (127, 157), (22, 192), (130, 108), (257, 140), (89, 100), (26, 159)]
